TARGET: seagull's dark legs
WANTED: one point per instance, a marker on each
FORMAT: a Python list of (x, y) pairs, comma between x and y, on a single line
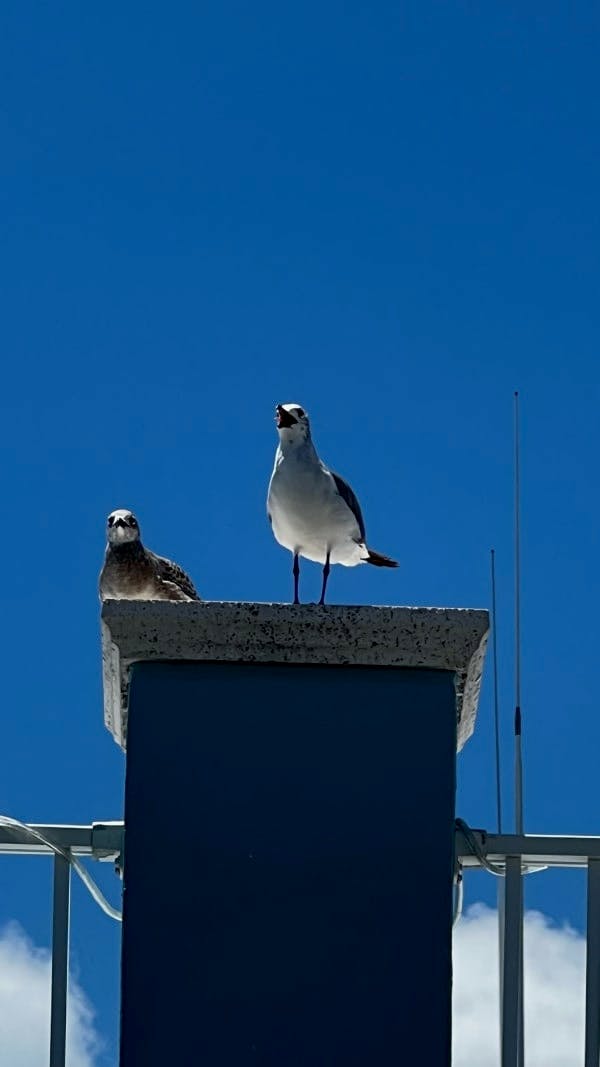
[(296, 573), (326, 570)]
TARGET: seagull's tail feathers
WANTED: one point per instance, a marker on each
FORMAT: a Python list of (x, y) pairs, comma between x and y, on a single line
[(378, 560)]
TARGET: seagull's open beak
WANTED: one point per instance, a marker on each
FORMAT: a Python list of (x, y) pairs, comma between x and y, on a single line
[(283, 418)]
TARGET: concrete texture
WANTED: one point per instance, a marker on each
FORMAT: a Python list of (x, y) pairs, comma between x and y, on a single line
[(447, 639)]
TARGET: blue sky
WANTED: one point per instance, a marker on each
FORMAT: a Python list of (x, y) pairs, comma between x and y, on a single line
[(389, 217)]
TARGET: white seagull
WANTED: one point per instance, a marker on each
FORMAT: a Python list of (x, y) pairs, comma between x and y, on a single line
[(132, 572), (313, 511)]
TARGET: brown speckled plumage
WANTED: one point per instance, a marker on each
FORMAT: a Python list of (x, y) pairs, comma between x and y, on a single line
[(132, 572)]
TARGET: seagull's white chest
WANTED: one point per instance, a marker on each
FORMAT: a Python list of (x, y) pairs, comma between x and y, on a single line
[(307, 513)]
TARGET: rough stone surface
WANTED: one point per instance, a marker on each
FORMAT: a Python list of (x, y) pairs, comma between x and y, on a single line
[(450, 639)]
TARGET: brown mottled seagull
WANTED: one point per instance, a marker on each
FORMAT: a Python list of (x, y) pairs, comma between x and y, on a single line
[(133, 572)]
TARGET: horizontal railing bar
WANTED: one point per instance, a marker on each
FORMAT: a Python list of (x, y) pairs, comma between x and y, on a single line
[(106, 839), (542, 849), (101, 840)]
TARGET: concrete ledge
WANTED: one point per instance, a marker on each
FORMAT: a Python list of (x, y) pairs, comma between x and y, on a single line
[(449, 639)]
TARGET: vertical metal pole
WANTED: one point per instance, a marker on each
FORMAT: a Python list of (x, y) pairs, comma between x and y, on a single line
[(60, 961), (592, 970), (518, 714), (496, 701), (511, 992), (501, 895), (521, 982)]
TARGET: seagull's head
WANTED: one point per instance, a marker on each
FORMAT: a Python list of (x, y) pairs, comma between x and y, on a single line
[(292, 423), (122, 526)]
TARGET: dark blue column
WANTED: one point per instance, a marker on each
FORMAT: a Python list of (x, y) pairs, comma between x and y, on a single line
[(289, 861)]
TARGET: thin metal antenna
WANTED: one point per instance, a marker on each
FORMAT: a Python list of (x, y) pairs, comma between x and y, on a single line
[(496, 702), (518, 716), (518, 725), (507, 1054)]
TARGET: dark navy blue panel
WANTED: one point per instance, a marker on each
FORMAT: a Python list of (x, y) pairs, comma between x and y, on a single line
[(288, 874)]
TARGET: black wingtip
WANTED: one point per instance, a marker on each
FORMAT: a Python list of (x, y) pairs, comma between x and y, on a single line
[(378, 560)]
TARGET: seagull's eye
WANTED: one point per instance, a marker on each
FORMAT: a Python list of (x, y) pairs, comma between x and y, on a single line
[(300, 412), (110, 521), (132, 521)]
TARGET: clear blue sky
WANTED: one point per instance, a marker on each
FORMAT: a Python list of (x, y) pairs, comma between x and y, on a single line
[(389, 216)]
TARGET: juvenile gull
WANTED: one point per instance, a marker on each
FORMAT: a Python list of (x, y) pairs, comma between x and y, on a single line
[(133, 572), (314, 513)]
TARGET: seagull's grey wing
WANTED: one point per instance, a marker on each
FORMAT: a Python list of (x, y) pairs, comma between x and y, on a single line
[(172, 572), (349, 498)]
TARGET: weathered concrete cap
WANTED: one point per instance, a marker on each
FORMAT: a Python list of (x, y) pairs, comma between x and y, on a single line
[(448, 639)]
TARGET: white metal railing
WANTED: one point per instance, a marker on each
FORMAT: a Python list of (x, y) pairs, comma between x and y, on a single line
[(511, 856), (101, 841), (507, 855)]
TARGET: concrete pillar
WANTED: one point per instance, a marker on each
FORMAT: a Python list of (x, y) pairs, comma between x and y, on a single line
[(289, 829)]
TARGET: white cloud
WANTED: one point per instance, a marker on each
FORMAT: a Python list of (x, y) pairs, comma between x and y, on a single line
[(554, 963), (25, 1007)]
